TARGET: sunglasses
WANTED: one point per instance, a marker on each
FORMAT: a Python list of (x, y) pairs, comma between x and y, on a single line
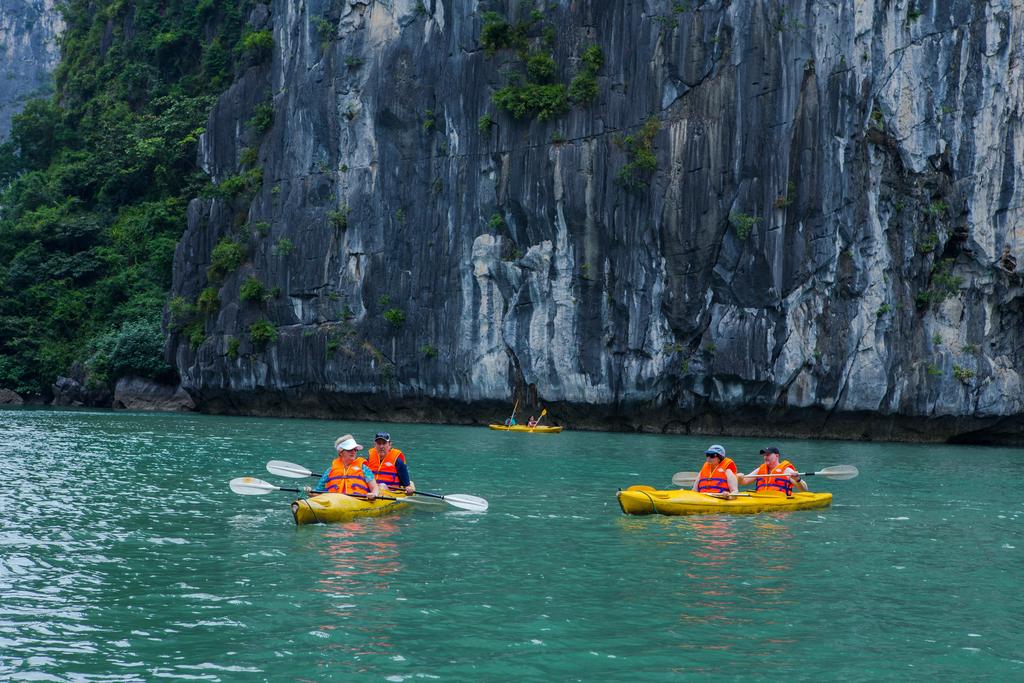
[(711, 455)]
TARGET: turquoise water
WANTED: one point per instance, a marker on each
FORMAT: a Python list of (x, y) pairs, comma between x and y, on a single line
[(124, 556)]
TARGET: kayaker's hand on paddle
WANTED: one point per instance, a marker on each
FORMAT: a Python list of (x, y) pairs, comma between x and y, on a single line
[(411, 488)]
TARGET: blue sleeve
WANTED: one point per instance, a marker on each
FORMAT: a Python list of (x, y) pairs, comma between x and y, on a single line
[(368, 473), (403, 471), (322, 484)]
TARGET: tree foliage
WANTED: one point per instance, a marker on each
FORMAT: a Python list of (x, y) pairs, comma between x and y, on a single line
[(94, 184)]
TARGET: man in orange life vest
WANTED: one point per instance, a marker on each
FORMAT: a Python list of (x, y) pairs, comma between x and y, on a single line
[(348, 473), (718, 475), (782, 484), (388, 464)]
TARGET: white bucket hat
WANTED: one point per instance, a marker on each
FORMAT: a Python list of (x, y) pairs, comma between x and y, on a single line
[(346, 443)]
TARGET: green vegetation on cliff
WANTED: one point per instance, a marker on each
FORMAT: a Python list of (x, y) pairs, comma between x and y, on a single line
[(94, 185)]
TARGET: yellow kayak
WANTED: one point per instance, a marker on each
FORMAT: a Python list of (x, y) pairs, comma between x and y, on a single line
[(645, 500), (337, 507), (539, 429)]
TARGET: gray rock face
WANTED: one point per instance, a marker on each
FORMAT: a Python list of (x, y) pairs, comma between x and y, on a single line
[(68, 391), (137, 393), (28, 53), (816, 253), (10, 398)]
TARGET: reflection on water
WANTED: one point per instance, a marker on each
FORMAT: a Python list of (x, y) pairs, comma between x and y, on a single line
[(355, 566)]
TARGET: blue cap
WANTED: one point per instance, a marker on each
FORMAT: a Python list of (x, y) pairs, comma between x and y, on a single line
[(382, 435), (715, 450)]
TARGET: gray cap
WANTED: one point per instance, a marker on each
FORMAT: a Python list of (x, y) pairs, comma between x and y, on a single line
[(716, 450)]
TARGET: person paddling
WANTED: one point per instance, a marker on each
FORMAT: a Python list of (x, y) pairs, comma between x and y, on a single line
[(718, 475), (388, 464), (348, 473), (782, 484)]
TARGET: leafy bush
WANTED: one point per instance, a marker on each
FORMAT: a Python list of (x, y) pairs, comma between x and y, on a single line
[(232, 349), (928, 243), (251, 290), (262, 117), (135, 348), (261, 333), (943, 285), (642, 163), (963, 374), (338, 219), (208, 301), (743, 224), (532, 99), (498, 34), (226, 258), (248, 156), (540, 67), (583, 88), (244, 184), (485, 123), (395, 316), (256, 46), (284, 247)]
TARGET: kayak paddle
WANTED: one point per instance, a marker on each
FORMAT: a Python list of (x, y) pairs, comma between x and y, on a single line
[(462, 501), (836, 472), (250, 486)]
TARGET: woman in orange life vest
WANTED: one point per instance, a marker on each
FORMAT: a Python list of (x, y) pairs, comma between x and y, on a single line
[(718, 475), (782, 484), (388, 464), (348, 473)]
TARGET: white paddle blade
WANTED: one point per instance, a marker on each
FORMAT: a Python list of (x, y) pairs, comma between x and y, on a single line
[(839, 472), (287, 469), (466, 502), (684, 479), (249, 486)]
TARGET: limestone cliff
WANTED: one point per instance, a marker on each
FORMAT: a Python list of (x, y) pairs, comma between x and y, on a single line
[(28, 53), (773, 218)]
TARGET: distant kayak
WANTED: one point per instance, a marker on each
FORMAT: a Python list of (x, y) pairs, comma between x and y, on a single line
[(337, 507), (645, 500), (539, 429)]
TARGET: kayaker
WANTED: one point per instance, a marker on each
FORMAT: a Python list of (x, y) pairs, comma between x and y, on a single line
[(782, 484), (349, 473), (532, 422), (510, 422), (388, 464), (718, 475)]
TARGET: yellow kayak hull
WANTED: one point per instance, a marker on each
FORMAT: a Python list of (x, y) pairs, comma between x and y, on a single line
[(539, 429), (337, 507), (644, 500)]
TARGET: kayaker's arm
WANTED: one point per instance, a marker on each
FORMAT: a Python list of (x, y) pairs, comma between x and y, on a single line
[(731, 478), (796, 479), (374, 486), (403, 476)]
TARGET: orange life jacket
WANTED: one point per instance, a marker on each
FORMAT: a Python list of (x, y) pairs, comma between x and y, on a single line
[(341, 479), (385, 471), (775, 484), (713, 479)]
